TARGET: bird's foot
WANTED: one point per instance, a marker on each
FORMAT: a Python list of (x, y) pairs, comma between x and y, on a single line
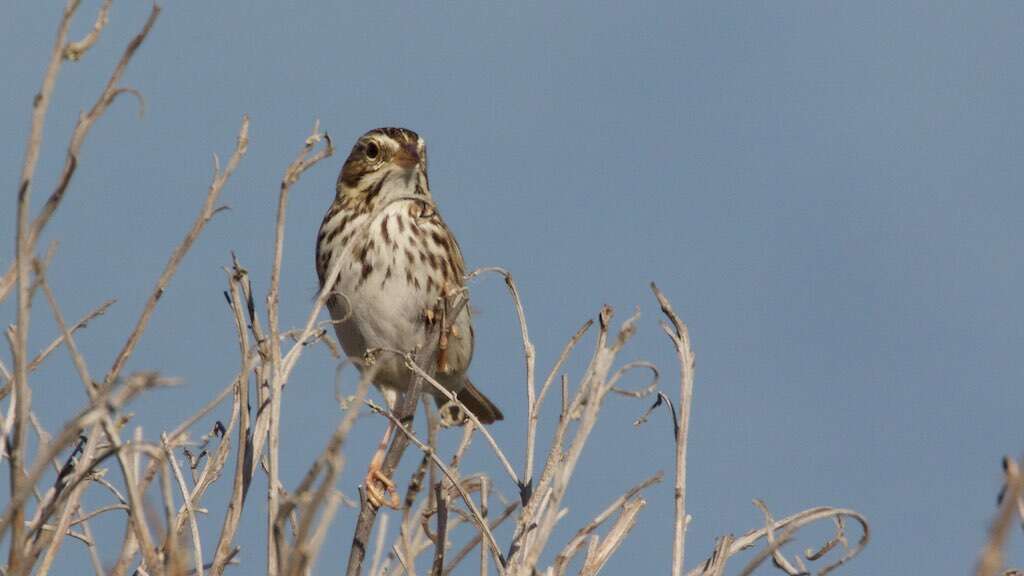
[(380, 490)]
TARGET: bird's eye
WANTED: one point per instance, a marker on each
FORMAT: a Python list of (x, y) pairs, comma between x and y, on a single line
[(372, 150)]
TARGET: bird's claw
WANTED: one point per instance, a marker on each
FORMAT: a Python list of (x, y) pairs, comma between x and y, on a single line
[(380, 490)]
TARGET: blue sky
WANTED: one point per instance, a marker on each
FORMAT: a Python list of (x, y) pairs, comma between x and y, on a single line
[(828, 192)]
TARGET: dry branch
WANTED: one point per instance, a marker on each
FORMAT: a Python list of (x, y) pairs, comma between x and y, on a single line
[(239, 411), (71, 503), (75, 50), (111, 91), (329, 464), (475, 541), (991, 560), (561, 562), (278, 369), (789, 527), (405, 408), (481, 524), (23, 255), (680, 336), (219, 180), (529, 354)]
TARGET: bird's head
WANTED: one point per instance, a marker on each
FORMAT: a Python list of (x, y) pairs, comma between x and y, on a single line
[(384, 162)]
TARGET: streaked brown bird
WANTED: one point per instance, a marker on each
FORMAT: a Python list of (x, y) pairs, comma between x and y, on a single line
[(399, 269)]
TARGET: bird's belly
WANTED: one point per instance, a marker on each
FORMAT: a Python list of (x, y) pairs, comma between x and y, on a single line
[(385, 287), (380, 314), (389, 318)]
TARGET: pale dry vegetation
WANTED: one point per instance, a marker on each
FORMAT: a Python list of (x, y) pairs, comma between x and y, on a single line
[(449, 515)]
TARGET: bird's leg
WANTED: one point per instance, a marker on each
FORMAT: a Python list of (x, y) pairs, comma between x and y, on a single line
[(380, 490)]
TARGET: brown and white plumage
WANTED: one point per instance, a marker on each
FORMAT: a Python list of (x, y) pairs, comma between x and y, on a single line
[(398, 258)]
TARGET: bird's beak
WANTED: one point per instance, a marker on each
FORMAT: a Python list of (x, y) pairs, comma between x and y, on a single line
[(407, 156)]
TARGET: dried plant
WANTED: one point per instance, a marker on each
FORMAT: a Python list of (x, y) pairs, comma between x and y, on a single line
[(443, 503)]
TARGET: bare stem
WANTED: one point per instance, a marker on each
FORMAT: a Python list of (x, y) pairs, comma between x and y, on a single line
[(219, 180), (529, 353), (291, 176), (111, 91), (991, 560), (197, 545), (405, 409), (22, 261), (75, 50), (788, 527), (475, 514), (680, 336)]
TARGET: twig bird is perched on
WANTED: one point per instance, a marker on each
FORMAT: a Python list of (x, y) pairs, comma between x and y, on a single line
[(400, 269)]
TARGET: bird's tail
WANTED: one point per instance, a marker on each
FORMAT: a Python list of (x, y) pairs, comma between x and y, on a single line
[(478, 404)]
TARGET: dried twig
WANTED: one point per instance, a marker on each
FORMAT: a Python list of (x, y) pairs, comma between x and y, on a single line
[(138, 519), (410, 363), (71, 503), (378, 548), (330, 463), (991, 560), (81, 323), (111, 91), (468, 547), (219, 180), (105, 422), (404, 410), (771, 549), (680, 336), (774, 544), (75, 50), (442, 530), (790, 525), (108, 399), (436, 490), (481, 525), (240, 409), (302, 163), (23, 256), (171, 552), (602, 550), (561, 562), (715, 565), (543, 511), (197, 545), (529, 354)]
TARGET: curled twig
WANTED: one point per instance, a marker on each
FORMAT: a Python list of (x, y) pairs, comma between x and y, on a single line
[(74, 51), (789, 526)]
